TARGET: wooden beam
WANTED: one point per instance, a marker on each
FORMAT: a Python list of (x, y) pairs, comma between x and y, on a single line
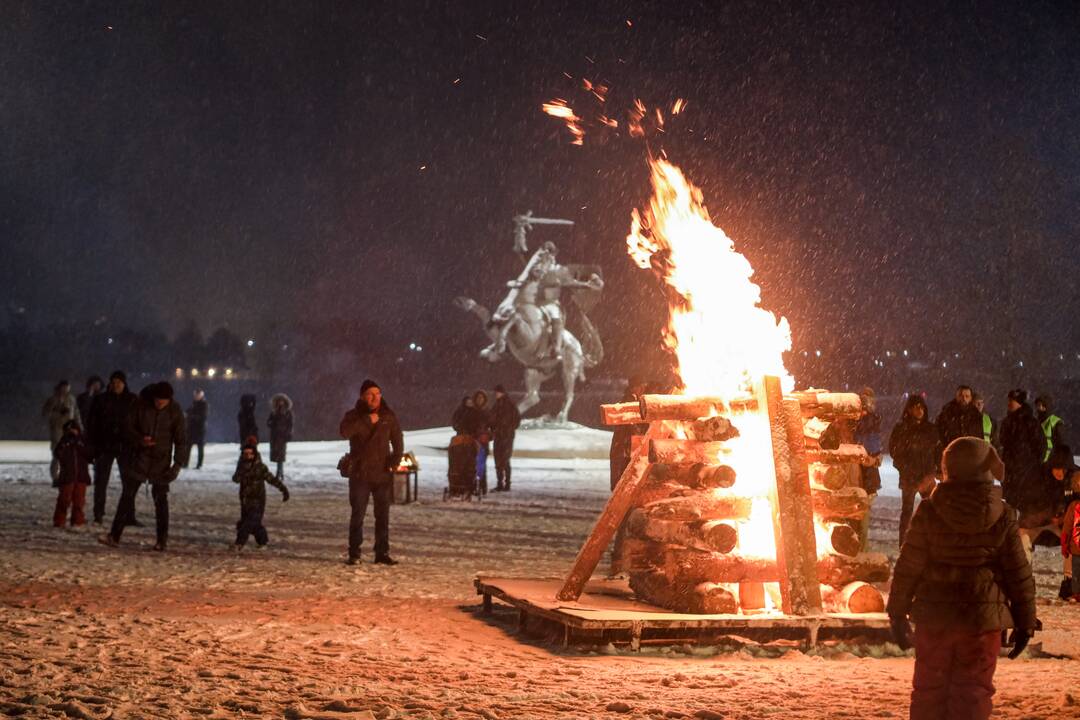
[(793, 513), (626, 413), (618, 505)]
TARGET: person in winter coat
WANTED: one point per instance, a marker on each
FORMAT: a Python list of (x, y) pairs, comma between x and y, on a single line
[(375, 449), (58, 410), (157, 432), (989, 426), (457, 420), (1053, 427), (73, 457), (959, 418), (505, 420), (619, 452), (962, 578), (280, 424), (253, 476), (1023, 446), (914, 447), (1070, 542), (475, 421), (85, 400), (105, 431), (197, 416), (249, 428)]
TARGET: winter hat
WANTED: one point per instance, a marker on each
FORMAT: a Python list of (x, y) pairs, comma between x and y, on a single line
[(118, 375), (1018, 395), (970, 459), (249, 445), (162, 391), (367, 385), (500, 389)]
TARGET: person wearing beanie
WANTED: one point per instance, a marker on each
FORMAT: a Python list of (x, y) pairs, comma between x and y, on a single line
[(1023, 447), (375, 449), (914, 446), (961, 578), (73, 457), (253, 476), (105, 432), (959, 418), (1053, 427), (505, 420), (157, 435)]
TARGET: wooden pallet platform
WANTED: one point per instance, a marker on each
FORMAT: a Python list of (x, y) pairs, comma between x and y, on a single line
[(607, 612)]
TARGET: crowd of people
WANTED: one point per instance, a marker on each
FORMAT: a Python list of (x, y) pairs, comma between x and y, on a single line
[(150, 438), (487, 429)]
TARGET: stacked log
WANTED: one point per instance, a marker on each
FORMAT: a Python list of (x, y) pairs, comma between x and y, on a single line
[(683, 515)]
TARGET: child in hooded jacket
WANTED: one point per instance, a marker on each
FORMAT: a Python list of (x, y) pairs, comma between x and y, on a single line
[(252, 475), (1070, 539), (962, 577), (72, 456)]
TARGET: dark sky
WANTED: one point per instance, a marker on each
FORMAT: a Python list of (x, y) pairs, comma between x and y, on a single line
[(896, 172)]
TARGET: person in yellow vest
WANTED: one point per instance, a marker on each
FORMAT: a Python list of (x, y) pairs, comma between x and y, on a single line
[(989, 427), (1053, 427)]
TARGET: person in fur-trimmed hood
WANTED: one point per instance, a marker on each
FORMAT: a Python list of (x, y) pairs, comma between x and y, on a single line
[(253, 476), (280, 424), (962, 577)]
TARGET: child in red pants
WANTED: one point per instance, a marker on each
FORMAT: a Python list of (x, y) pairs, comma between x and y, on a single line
[(73, 457), (962, 577)]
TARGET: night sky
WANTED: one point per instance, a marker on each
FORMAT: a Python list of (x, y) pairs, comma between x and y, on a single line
[(896, 172)]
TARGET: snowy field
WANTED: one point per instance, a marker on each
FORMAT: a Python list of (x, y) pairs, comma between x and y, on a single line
[(290, 631)]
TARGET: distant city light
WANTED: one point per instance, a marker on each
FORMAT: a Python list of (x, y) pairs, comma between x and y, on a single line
[(412, 346), (194, 372), (179, 373), (228, 372), (818, 353), (905, 353), (110, 341), (211, 372), (250, 343), (944, 364)]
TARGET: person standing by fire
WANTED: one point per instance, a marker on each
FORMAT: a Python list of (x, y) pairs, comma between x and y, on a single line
[(962, 578), (619, 453), (1023, 446), (915, 448), (105, 432), (505, 420), (375, 449), (959, 418)]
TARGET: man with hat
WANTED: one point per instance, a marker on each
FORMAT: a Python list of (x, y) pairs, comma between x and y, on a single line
[(105, 432), (157, 433), (375, 449), (1023, 447), (505, 420), (962, 577)]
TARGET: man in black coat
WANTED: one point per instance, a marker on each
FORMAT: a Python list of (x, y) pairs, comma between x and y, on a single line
[(375, 449), (505, 420), (157, 432), (1023, 446), (196, 420), (85, 399), (959, 418), (105, 432)]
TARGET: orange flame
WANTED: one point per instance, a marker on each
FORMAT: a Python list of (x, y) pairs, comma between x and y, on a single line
[(721, 336)]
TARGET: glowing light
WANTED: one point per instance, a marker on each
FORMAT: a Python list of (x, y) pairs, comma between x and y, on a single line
[(211, 372), (194, 372), (228, 372)]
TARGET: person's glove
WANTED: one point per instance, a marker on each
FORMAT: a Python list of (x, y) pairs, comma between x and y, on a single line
[(901, 632), (174, 471), (284, 494), (1019, 639)]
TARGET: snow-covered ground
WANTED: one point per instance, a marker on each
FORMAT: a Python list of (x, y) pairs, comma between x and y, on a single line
[(87, 631)]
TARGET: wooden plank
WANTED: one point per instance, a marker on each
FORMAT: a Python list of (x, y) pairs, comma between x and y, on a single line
[(626, 413), (793, 515), (618, 505)]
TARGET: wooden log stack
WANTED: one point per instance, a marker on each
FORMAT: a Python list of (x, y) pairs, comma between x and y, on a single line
[(682, 508)]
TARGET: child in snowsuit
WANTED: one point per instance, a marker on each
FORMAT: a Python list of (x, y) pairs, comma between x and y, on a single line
[(961, 577), (72, 457), (252, 476), (1070, 540)]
